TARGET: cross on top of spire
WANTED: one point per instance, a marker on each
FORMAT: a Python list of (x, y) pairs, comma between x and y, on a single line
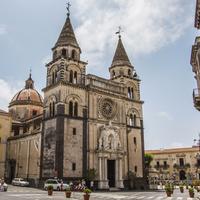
[(30, 73), (119, 31), (68, 8)]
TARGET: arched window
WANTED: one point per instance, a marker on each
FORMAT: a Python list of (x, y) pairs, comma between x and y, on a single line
[(55, 73), (50, 110), (75, 77), (76, 109), (71, 76), (129, 72), (53, 109), (71, 108), (132, 96), (64, 52), (129, 92), (132, 119), (113, 74), (55, 54), (53, 77), (73, 54)]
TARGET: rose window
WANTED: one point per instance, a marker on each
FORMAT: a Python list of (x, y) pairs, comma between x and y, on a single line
[(107, 108)]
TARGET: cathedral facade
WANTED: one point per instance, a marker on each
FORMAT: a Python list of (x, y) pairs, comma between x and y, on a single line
[(91, 122), (88, 122)]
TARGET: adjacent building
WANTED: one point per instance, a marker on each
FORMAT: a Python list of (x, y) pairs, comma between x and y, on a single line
[(5, 130), (24, 143), (195, 59), (178, 164)]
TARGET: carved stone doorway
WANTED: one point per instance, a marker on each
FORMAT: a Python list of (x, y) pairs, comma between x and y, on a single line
[(111, 172)]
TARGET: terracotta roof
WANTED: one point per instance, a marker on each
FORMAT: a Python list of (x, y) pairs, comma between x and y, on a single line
[(28, 95), (67, 36), (3, 111), (173, 150), (120, 57)]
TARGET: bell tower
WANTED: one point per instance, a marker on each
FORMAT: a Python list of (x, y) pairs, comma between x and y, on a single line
[(63, 107), (121, 70), (65, 54)]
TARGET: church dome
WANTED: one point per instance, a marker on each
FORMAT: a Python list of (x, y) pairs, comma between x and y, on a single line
[(28, 95)]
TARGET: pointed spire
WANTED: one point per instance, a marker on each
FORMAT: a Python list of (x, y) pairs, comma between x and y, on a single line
[(120, 57), (29, 84), (67, 36)]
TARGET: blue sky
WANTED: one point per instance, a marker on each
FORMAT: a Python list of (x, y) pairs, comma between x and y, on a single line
[(158, 36)]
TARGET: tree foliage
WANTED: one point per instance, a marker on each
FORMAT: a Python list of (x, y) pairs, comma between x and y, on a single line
[(148, 158), (91, 174)]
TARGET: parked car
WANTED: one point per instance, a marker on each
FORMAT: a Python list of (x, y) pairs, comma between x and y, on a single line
[(57, 184), (3, 186), (20, 182)]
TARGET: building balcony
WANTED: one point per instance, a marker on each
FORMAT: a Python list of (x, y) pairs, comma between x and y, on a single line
[(185, 166), (197, 15), (196, 98), (163, 167)]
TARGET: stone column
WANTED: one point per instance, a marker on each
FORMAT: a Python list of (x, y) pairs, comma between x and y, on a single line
[(120, 183), (103, 182), (105, 169), (27, 158), (100, 173)]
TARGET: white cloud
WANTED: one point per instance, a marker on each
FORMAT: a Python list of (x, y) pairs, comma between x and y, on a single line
[(8, 90), (46, 60), (3, 29), (148, 25), (165, 115)]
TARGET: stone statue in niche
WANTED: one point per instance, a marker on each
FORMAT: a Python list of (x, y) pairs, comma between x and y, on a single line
[(109, 138)]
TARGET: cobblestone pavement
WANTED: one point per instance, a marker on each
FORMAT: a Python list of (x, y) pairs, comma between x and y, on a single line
[(25, 193)]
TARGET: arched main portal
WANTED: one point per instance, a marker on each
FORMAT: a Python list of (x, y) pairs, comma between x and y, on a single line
[(110, 156)]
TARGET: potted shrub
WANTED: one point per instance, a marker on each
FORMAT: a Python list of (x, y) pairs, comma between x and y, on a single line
[(87, 194), (68, 192), (181, 188), (168, 190), (50, 189), (191, 192)]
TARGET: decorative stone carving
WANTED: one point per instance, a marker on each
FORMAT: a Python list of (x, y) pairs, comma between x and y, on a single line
[(107, 108), (109, 138)]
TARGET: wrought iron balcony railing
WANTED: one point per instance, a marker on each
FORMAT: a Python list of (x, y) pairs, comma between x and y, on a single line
[(196, 98)]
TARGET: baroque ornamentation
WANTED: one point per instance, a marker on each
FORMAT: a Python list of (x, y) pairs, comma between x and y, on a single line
[(109, 138)]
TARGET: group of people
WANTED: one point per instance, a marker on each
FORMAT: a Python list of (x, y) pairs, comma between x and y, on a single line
[(78, 185)]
